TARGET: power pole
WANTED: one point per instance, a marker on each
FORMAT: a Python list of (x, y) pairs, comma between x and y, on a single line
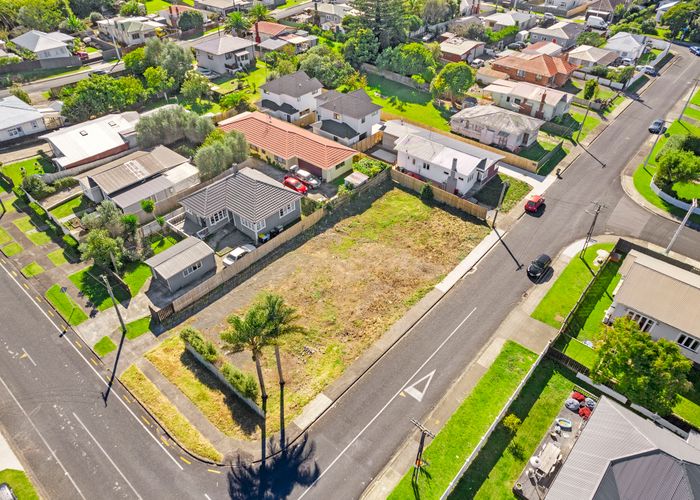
[(421, 445), (598, 207), (693, 206), (114, 301), (588, 109), (646, 160), (692, 93), (504, 188)]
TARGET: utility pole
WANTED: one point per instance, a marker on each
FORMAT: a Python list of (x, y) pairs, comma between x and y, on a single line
[(646, 160), (504, 188), (588, 109), (114, 42), (692, 93), (421, 445), (114, 301), (598, 207), (692, 208)]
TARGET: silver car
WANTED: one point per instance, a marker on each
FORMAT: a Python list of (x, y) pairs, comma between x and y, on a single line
[(237, 253), (310, 180)]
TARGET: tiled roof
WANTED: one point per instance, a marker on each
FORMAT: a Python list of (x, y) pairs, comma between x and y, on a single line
[(248, 193), (296, 84), (269, 28), (539, 64), (356, 104), (286, 140)]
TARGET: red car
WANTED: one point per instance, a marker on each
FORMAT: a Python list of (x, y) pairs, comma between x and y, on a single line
[(295, 184), (534, 203)]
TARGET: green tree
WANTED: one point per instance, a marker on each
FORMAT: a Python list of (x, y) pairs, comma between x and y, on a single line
[(72, 24), (679, 17), (148, 205), (678, 166), (238, 100), (436, 11), (157, 80), (258, 12), (385, 18), (331, 69), (107, 216), (361, 47), (409, 59), (172, 124), (101, 248), (135, 61), (590, 89), (650, 373), (173, 58), (99, 95), (215, 158), (454, 80), (42, 15), (191, 20), (426, 193), (17, 91), (195, 86), (472, 31), (132, 8), (237, 24), (590, 38), (131, 224)]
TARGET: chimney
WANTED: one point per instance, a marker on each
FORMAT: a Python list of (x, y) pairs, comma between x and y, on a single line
[(454, 166)]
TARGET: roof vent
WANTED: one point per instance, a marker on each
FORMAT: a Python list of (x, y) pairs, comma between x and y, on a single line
[(83, 133)]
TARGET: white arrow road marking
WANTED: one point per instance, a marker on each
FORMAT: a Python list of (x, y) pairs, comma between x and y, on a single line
[(413, 391)]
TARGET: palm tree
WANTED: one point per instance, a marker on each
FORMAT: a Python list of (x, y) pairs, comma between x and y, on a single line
[(264, 323), (257, 13), (236, 23)]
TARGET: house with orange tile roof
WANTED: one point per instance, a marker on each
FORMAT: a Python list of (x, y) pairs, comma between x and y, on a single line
[(280, 142), (268, 29), (540, 69)]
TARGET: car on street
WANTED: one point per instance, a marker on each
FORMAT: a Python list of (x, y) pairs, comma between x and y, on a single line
[(538, 267), (237, 253), (295, 184), (309, 179), (534, 203), (647, 70), (695, 49), (657, 127), (99, 72)]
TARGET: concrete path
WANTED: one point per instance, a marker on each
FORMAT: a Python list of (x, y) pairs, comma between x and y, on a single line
[(8, 459)]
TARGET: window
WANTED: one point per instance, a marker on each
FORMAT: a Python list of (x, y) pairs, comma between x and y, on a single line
[(362, 121), (217, 217), (189, 270), (228, 56), (645, 324), (253, 226), (538, 77), (135, 36), (336, 116), (210, 57), (426, 166), (520, 73), (507, 98), (516, 101), (284, 211), (413, 160), (690, 343)]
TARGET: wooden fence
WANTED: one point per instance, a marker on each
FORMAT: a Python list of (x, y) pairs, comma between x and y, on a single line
[(440, 195), (368, 142), (306, 120)]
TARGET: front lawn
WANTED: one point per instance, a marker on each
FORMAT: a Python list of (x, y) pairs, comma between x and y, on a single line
[(58, 257), (135, 276), (12, 249), (167, 414), (495, 470), (66, 307), (31, 270), (30, 166), (591, 122), (19, 482), (462, 432), (104, 346), (491, 192), (402, 101), (89, 282), (250, 84), (137, 328), (154, 6), (560, 299), (71, 207), (577, 87)]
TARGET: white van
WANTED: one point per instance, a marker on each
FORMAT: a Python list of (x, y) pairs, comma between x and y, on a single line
[(596, 22)]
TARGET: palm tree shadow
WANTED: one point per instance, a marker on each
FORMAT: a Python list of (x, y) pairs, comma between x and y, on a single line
[(284, 470)]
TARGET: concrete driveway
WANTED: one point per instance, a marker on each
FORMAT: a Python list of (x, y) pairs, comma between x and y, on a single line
[(327, 189)]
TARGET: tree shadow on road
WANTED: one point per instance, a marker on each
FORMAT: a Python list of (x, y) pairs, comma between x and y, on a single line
[(284, 470)]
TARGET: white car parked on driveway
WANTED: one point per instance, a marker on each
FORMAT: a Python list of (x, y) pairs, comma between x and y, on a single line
[(237, 253)]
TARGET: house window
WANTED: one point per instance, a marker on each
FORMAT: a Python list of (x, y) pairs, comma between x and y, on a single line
[(426, 166), (284, 211), (189, 270), (414, 161), (538, 77), (362, 121), (135, 36), (217, 217), (210, 57), (14, 132), (228, 56), (690, 343), (507, 98), (516, 101), (520, 73), (645, 324), (253, 226), (336, 116), (470, 178), (461, 178), (34, 125)]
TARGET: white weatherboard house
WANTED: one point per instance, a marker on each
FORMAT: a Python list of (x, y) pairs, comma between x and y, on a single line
[(529, 99), (182, 264), (17, 119), (225, 54), (45, 45), (586, 57), (290, 97), (627, 45), (492, 125), (663, 298), (561, 33), (346, 118), (454, 170)]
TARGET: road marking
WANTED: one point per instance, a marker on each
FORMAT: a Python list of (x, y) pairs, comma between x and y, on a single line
[(106, 455), (51, 313), (60, 330), (26, 354), (377, 415), (38, 299), (185, 460), (26, 286), (214, 471), (414, 392), (127, 398), (146, 420), (93, 361), (80, 346), (14, 273), (165, 441), (26, 415)]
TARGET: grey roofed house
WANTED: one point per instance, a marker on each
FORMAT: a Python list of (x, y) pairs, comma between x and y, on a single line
[(272, 44), (14, 111), (295, 84), (562, 29), (338, 129), (248, 193), (181, 176), (183, 263), (285, 107), (38, 41), (499, 119), (356, 104), (223, 45), (620, 455)]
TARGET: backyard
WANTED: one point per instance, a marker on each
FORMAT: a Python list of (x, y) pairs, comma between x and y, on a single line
[(250, 83), (18, 170), (462, 432), (349, 284)]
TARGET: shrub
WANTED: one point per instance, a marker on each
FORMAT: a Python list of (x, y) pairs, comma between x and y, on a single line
[(512, 423), (37, 188), (309, 206), (369, 166), (64, 183), (426, 193), (131, 223), (204, 347), (590, 89), (242, 382)]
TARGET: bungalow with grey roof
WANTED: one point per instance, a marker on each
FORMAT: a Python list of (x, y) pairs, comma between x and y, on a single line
[(182, 264), (225, 54), (290, 97), (18, 119), (496, 126), (45, 45)]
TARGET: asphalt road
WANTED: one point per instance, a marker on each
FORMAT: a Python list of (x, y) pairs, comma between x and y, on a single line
[(357, 437), (51, 388)]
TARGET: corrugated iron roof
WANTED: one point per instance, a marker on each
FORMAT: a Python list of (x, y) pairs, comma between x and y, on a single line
[(180, 256)]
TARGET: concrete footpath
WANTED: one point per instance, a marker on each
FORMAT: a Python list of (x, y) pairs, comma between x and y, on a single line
[(8, 459)]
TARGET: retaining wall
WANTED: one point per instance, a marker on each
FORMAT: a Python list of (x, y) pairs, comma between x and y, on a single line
[(670, 199)]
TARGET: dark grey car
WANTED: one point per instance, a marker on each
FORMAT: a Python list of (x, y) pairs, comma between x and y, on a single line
[(539, 266)]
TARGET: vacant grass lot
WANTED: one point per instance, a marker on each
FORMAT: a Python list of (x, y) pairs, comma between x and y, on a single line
[(349, 284), (222, 408), (66, 307), (491, 192), (461, 434), (20, 484), (166, 413), (499, 464)]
